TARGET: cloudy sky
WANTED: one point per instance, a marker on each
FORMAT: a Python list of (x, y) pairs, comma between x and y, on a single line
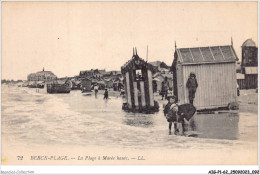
[(66, 37)]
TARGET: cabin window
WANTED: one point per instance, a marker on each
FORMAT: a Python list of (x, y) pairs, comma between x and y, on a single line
[(138, 74)]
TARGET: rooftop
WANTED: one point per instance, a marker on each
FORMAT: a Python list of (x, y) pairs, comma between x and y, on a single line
[(249, 43), (134, 63), (155, 63), (212, 54)]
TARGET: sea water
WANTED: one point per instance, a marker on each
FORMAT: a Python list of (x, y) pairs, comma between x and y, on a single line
[(32, 118)]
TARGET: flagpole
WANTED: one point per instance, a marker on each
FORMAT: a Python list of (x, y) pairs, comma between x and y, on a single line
[(147, 54)]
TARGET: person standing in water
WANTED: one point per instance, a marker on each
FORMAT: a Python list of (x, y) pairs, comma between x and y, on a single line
[(170, 112), (96, 89), (165, 88), (192, 85), (106, 94)]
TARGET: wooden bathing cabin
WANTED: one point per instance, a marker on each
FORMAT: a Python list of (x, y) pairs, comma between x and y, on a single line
[(86, 85), (59, 87), (76, 85), (108, 83), (138, 86), (215, 70)]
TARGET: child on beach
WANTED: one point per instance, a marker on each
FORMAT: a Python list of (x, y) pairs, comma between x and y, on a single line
[(170, 111)]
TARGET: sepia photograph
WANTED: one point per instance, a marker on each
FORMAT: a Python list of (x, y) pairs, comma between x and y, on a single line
[(129, 83)]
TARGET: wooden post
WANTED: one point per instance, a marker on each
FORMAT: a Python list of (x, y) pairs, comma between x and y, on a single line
[(128, 90), (131, 84), (146, 87), (125, 87), (136, 95), (149, 73), (147, 54), (142, 94)]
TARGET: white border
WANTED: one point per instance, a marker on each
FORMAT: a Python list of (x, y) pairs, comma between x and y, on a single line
[(122, 169)]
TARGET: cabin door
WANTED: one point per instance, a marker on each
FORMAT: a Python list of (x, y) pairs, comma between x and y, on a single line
[(139, 89)]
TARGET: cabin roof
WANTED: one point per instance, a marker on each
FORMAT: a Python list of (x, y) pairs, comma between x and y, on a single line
[(60, 81), (159, 74), (135, 63), (45, 72), (102, 71), (155, 63), (160, 64), (202, 55)]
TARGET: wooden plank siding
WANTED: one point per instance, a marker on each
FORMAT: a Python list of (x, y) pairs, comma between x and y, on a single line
[(150, 79), (142, 94), (180, 84), (138, 85), (128, 96), (136, 95), (249, 82), (216, 84)]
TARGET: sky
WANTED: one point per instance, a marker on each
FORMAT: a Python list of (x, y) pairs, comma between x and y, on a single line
[(66, 37)]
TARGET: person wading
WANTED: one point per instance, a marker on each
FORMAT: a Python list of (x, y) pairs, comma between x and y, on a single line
[(96, 90), (192, 85), (170, 112), (106, 94)]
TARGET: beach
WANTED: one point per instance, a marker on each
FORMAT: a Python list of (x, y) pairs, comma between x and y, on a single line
[(79, 125)]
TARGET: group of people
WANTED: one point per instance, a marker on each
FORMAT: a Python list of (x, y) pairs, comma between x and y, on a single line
[(191, 84), (96, 92), (171, 110)]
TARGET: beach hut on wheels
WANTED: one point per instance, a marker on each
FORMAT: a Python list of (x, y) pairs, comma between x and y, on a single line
[(215, 71), (86, 85), (138, 86)]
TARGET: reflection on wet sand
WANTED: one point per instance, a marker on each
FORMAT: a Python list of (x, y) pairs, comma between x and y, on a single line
[(138, 120), (216, 126)]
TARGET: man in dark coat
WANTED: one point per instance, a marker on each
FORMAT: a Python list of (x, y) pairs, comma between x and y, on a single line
[(106, 94), (192, 85), (165, 88), (154, 86)]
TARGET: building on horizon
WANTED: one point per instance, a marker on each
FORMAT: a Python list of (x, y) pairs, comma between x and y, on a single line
[(249, 66), (42, 76), (92, 73), (159, 66)]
